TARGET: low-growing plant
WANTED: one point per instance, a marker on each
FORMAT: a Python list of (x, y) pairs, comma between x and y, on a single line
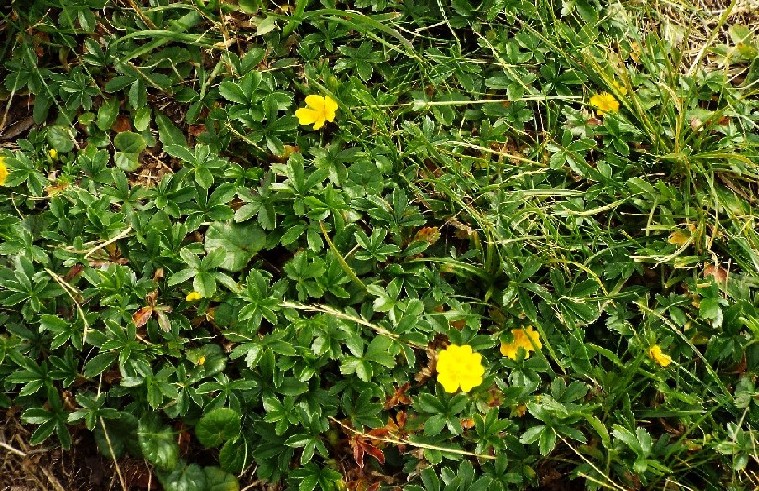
[(380, 244)]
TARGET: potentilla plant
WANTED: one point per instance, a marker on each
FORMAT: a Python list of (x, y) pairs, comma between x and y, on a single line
[(380, 244)]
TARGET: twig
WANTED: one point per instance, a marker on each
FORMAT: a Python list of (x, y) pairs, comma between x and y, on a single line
[(108, 242), (73, 293), (342, 315), (122, 481), (12, 450), (141, 14), (610, 484), (424, 446), (343, 263)]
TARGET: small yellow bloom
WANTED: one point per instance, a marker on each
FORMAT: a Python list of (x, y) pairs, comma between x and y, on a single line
[(53, 153), (3, 171), (459, 366), (604, 103), (201, 360), (658, 356), (678, 238), (319, 109), (528, 339), (193, 296), (619, 87)]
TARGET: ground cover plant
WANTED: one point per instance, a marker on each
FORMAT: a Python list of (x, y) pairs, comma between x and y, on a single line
[(378, 244)]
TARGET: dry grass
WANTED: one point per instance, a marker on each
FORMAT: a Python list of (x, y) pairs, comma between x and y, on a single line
[(27, 468), (695, 24)]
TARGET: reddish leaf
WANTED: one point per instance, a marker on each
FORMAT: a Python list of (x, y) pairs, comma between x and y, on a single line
[(122, 124), (142, 316), (361, 446), (399, 397), (73, 272), (196, 129)]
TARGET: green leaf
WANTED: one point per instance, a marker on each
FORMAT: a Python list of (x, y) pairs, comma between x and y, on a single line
[(234, 455), (219, 480), (218, 426), (231, 91), (379, 351), (205, 284), (60, 138), (99, 364), (142, 118), (128, 162), (547, 441), (129, 142), (158, 443), (107, 114), (266, 26), (240, 242), (168, 132), (187, 478)]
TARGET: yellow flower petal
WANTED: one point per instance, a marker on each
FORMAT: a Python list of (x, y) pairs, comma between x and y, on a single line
[(306, 116), (318, 110), (659, 356), (319, 123), (678, 237), (459, 366), (315, 102), (527, 339), (193, 296), (510, 350), (469, 381), (533, 338), (330, 108), (604, 102), (449, 381), (53, 153), (3, 171), (619, 87)]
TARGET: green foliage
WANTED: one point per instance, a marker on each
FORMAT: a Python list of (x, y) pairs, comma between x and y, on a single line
[(182, 261)]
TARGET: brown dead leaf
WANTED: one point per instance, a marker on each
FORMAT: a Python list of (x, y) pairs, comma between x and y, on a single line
[(196, 129), (399, 397), (122, 124), (467, 423), (362, 446), (73, 272), (142, 316), (717, 272), (428, 234)]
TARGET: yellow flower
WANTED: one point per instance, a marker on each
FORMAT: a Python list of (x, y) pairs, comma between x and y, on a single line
[(3, 171), (604, 103), (620, 88), (201, 360), (53, 153), (658, 356), (527, 338), (679, 238), (193, 296), (458, 366), (319, 109)]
